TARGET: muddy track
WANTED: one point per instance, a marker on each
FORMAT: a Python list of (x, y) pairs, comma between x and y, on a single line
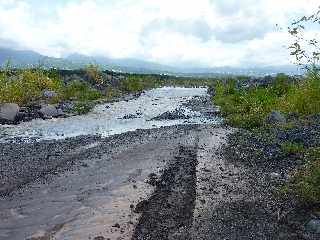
[(168, 213)]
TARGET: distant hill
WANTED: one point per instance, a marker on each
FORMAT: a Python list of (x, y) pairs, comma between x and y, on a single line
[(124, 64), (29, 58)]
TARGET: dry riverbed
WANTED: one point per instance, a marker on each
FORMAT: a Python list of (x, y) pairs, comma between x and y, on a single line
[(173, 182)]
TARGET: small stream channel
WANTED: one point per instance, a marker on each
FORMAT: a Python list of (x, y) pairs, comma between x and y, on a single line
[(112, 118)]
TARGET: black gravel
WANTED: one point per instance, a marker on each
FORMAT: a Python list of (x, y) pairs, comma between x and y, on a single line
[(22, 163), (269, 213), (169, 211)]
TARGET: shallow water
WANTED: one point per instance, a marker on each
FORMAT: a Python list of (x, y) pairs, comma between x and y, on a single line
[(107, 119)]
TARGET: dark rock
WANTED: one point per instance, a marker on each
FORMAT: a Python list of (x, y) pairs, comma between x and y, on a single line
[(130, 116), (153, 179), (49, 94), (141, 206), (66, 106), (275, 117), (313, 226), (293, 116), (175, 115), (49, 111), (117, 225), (8, 112), (99, 238), (274, 176)]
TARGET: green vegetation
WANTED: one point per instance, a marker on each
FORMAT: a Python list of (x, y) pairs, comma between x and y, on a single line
[(292, 148), (24, 86), (94, 73), (80, 91), (248, 108), (305, 181), (133, 84), (83, 107)]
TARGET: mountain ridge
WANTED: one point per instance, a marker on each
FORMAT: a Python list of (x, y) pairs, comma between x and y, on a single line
[(27, 58)]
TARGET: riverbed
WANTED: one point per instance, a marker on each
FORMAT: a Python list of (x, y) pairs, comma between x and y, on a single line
[(115, 118)]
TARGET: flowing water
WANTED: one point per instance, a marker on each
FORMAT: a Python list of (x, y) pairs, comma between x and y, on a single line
[(109, 119)]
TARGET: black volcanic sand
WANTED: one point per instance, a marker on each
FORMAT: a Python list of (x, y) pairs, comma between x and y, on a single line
[(169, 211)]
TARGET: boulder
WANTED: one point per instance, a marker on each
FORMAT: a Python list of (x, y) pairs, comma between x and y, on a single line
[(275, 176), (313, 226), (67, 106), (8, 112), (175, 115), (275, 117), (129, 116), (99, 238), (49, 94), (49, 111)]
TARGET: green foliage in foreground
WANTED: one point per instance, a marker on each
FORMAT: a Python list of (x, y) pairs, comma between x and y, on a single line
[(27, 85), (248, 108), (292, 148), (305, 181)]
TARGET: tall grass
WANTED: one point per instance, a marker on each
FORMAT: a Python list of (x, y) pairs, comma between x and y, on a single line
[(247, 108), (305, 180), (27, 85)]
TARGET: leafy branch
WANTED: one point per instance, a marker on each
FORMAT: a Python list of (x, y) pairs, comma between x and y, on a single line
[(305, 49)]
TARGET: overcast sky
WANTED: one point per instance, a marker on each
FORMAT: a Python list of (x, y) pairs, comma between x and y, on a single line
[(203, 33)]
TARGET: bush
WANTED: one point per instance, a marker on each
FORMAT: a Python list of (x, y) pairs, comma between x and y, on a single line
[(26, 85), (81, 91), (83, 107), (247, 108), (306, 180), (132, 84), (292, 148), (303, 97), (281, 85), (94, 73)]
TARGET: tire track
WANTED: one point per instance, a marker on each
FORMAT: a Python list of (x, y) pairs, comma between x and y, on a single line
[(168, 214)]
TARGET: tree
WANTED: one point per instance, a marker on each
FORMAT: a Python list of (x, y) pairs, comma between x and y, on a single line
[(305, 47)]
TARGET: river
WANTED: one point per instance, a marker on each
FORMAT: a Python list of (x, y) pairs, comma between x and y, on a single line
[(110, 118)]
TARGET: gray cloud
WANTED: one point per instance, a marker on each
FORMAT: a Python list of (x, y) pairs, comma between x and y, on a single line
[(197, 28), (206, 32), (233, 7), (242, 30)]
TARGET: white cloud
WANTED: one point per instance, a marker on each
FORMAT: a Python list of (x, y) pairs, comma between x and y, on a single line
[(198, 32)]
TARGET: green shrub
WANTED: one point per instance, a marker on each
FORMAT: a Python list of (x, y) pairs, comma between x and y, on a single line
[(112, 92), (94, 73), (83, 107), (132, 84), (292, 148), (281, 85), (306, 180), (81, 91), (303, 97), (247, 108), (26, 85)]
